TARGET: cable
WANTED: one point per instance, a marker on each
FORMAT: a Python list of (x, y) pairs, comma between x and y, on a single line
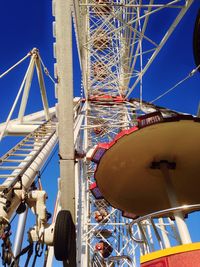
[(47, 163), (46, 70), (15, 65), (13, 218), (172, 88), (16, 99)]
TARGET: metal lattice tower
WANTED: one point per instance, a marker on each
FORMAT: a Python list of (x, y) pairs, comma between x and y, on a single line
[(116, 46)]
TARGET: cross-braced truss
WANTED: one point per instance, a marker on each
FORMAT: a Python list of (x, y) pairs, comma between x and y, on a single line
[(117, 40)]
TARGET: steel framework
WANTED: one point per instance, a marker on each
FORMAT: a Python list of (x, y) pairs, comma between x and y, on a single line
[(116, 46)]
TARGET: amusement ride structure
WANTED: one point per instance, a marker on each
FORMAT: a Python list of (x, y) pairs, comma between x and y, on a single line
[(129, 170)]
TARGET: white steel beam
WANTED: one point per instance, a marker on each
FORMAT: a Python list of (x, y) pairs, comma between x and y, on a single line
[(162, 43), (63, 17), (26, 89), (42, 87), (15, 65), (15, 102), (77, 26), (19, 130), (26, 179), (20, 233), (30, 123)]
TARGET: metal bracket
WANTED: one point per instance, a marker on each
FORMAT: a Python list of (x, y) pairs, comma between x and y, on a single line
[(157, 164)]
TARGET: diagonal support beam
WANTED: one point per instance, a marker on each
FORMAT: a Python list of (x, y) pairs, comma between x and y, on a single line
[(27, 88), (42, 87), (162, 43)]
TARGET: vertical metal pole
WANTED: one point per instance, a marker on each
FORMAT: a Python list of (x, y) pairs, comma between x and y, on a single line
[(63, 16), (26, 89), (181, 225), (150, 236), (42, 87), (20, 232), (164, 233), (85, 57), (65, 103), (85, 199)]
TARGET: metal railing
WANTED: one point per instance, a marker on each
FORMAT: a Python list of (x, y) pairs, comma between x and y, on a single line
[(154, 235)]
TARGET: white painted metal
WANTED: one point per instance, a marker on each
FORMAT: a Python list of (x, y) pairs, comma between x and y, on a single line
[(26, 89), (20, 232), (122, 65), (35, 62), (15, 65), (164, 233), (27, 179), (179, 217), (63, 26), (42, 87), (32, 121), (17, 129), (16, 100), (162, 43), (79, 207), (50, 256)]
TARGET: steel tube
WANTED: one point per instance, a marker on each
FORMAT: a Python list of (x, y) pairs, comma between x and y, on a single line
[(179, 218), (20, 232), (27, 178)]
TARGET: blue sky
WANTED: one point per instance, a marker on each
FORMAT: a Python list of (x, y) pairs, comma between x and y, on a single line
[(28, 24), (25, 25)]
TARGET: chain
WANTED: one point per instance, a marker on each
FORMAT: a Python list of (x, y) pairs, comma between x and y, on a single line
[(46, 70), (38, 252), (7, 254)]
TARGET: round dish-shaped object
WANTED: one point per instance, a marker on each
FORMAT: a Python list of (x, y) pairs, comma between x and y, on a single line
[(126, 179)]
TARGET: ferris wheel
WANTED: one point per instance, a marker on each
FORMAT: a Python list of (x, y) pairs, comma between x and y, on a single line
[(127, 182)]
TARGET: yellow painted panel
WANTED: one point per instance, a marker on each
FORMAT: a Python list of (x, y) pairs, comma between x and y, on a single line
[(169, 251)]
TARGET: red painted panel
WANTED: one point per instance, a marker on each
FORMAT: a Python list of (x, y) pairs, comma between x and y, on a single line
[(186, 259), (156, 263)]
